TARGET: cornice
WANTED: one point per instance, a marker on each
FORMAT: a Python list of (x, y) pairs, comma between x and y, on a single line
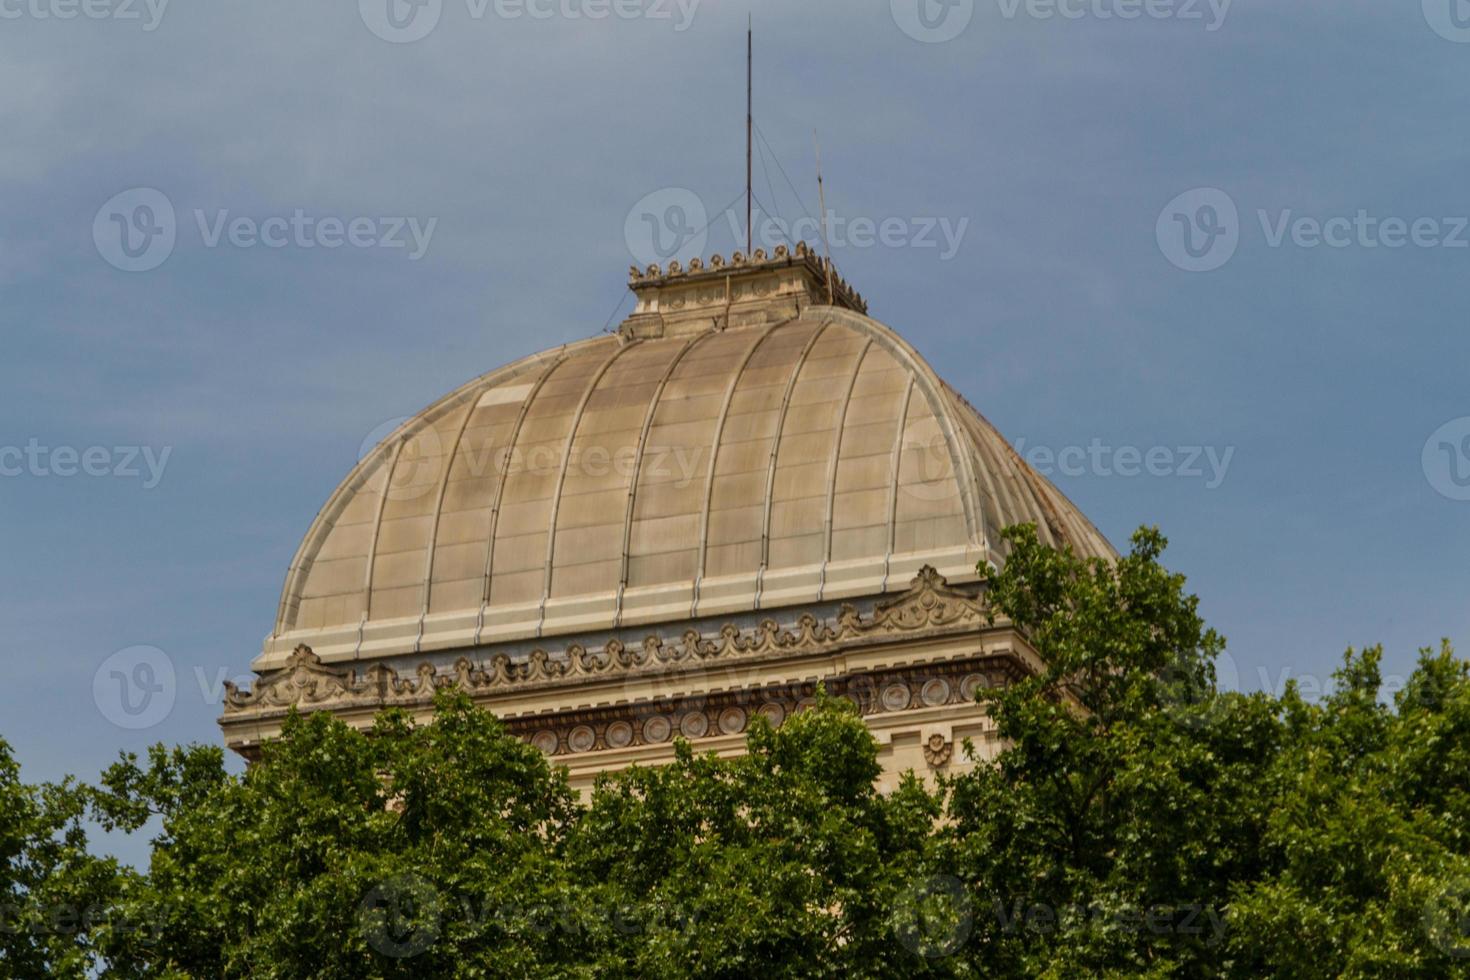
[(929, 607)]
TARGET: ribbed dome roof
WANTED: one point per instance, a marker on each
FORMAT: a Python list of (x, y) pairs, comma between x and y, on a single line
[(660, 475)]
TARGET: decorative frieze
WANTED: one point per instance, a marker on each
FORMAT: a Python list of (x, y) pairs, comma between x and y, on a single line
[(306, 683), (729, 713)]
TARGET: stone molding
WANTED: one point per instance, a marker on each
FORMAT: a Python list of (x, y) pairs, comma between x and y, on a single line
[(938, 751), (716, 268), (759, 288), (875, 694), (930, 605)]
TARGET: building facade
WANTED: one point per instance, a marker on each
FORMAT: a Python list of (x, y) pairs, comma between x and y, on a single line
[(750, 489)]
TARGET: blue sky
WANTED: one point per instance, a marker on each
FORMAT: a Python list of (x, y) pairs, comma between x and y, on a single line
[(1326, 381)]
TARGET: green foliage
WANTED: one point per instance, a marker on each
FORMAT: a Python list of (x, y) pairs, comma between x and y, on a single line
[(1137, 823), (784, 862), (1141, 823), (54, 896)]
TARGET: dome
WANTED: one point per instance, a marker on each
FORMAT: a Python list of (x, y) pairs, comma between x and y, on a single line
[(749, 439)]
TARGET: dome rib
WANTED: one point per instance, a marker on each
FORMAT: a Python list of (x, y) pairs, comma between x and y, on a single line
[(566, 462), (806, 352), (857, 369), (435, 517), (901, 431), (372, 555), (510, 446), (714, 456), (933, 388), (378, 461), (648, 417)]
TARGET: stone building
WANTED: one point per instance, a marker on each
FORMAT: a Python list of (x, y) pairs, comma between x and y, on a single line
[(750, 489)]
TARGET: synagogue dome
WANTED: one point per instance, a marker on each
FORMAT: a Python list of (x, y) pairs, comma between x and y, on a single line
[(749, 439)]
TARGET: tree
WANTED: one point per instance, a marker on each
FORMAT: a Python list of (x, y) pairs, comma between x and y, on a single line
[(55, 897), (410, 850), (452, 849), (783, 863), (1137, 823), (1141, 823)]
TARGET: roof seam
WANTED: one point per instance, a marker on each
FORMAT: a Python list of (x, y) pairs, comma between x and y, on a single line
[(903, 422), (358, 477), (760, 575), (372, 556), (566, 458), (638, 465), (438, 512), (933, 387), (827, 530), (714, 456), (510, 446)]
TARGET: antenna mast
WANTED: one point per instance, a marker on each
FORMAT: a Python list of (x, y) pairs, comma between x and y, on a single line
[(749, 123), (822, 203)]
